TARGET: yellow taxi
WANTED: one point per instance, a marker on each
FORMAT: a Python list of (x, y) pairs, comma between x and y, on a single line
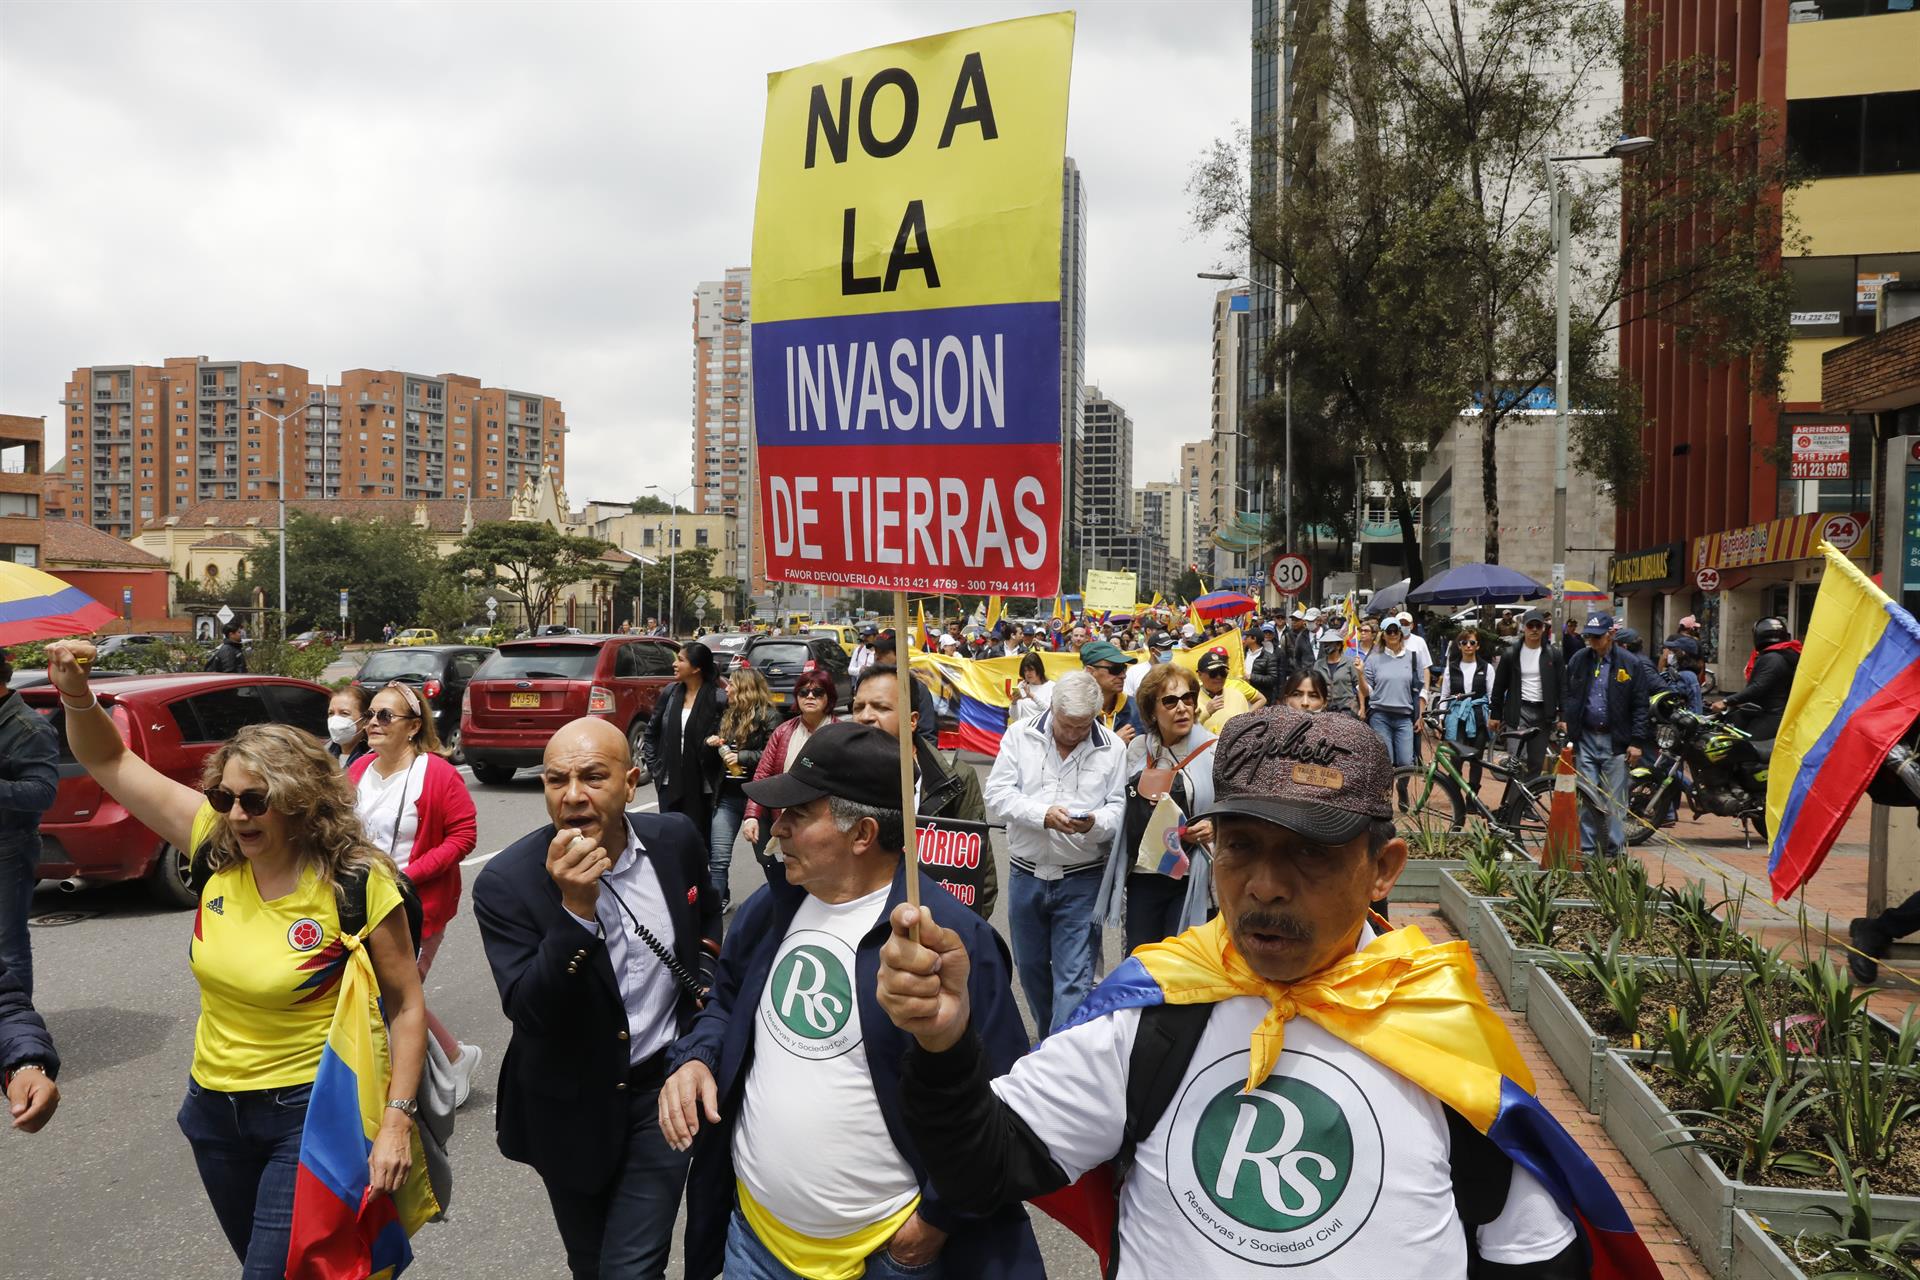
[(417, 635), (846, 637)]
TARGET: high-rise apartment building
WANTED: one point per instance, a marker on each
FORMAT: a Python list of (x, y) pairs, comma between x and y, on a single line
[(146, 441), (1106, 483), (22, 520), (1196, 475), (1844, 79), (724, 456), (1073, 361), (1163, 510)]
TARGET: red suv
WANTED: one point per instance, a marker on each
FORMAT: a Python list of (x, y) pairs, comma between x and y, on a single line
[(529, 688), (173, 722)]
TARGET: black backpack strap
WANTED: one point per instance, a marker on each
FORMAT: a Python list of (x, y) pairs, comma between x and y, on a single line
[(353, 904), (1163, 1049), (198, 872), (1482, 1174)]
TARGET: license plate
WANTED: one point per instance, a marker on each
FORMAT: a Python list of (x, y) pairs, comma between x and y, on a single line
[(523, 699), (778, 697)]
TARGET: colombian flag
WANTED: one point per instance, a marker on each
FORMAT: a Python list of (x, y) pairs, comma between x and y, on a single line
[(342, 1230), (1409, 1005), (981, 689), (1855, 693)]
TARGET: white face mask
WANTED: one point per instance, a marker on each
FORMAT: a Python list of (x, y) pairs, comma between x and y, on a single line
[(342, 729)]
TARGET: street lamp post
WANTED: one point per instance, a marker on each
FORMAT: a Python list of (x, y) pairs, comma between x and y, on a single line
[(673, 546), (1561, 213), (280, 421)]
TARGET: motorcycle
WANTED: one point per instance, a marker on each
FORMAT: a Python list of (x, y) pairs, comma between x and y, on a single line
[(1719, 769)]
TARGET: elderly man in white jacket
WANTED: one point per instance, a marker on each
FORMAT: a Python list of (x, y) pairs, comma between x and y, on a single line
[(1060, 786)]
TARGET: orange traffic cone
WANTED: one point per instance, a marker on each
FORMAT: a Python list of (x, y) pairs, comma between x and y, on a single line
[(1563, 818)]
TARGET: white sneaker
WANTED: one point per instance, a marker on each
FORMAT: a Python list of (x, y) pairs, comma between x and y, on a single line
[(463, 1068)]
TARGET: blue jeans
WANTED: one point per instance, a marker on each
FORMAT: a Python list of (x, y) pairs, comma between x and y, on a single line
[(729, 811), (1396, 730), (1594, 757), (19, 872), (748, 1259), (626, 1229), (247, 1146), (1056, 940)]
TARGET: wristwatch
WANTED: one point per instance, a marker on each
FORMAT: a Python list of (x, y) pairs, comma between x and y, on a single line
[(408, 1107)]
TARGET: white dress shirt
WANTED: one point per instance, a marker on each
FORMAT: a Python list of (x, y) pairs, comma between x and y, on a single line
[(646, 988)]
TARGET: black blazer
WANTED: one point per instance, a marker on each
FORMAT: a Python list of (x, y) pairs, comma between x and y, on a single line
[(684, 767), (562, 1105), (1504, 701)]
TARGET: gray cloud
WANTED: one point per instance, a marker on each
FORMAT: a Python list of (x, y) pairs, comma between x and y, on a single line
[(524, 192)]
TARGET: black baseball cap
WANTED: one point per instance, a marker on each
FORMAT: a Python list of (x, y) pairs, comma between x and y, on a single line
[(1324, 776), (856, 762)]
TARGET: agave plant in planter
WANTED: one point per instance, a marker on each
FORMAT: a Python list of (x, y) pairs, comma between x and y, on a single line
[(1857, 1246), (1432, 853)]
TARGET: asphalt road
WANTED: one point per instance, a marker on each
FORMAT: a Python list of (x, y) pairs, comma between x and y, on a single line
[(109, 1189)]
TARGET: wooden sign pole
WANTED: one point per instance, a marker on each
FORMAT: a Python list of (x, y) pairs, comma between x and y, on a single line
[(903, 702)]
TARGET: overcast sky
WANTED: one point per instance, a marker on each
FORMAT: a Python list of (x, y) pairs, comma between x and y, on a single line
[(523, 192)]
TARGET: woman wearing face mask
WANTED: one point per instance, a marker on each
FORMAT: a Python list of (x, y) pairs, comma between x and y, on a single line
[(1172, 759), (1398, 692), (347, 724), (274, 827), (416, 806)]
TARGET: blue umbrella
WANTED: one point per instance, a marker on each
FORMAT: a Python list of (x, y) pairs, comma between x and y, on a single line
[(1388, 598), (1476, 584)]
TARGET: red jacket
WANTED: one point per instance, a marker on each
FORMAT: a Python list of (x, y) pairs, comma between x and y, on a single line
[(773, 760), (447, 831)]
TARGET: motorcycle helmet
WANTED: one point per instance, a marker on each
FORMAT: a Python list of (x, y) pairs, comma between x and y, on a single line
[(1770, 631)]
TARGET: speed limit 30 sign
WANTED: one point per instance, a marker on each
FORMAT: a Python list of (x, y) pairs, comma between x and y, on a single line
[(1290, 575)]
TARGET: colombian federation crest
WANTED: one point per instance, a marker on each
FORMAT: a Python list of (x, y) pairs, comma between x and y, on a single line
[(305, 934), (1283, 1175)]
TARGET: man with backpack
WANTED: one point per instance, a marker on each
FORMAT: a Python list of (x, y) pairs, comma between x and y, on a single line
[(1297, 1076)]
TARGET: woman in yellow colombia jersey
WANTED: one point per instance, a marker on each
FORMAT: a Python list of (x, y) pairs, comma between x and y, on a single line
[(277, 824)]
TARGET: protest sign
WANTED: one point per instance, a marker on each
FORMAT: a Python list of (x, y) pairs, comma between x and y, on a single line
[(906, 313), (955, 853), (1110, 591)]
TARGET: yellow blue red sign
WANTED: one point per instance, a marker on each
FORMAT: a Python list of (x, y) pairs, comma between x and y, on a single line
[(906, 313)]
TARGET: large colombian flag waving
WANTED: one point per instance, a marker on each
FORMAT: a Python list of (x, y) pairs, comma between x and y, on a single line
[(1855, 693), (1410, 1005), (342, 1229)]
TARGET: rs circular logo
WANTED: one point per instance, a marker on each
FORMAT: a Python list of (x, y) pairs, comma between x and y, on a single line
[(305, 934), (808, 1006), (1284, 1174)]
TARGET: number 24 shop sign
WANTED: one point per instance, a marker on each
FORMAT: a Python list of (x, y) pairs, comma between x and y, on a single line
[(906, 313)]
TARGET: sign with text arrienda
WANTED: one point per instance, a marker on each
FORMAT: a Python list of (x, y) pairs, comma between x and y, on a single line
[(906, 313), (1821, 451)]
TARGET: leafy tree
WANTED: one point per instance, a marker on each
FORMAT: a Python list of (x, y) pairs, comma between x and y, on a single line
[(447, 604), (692, 579), (648, 505), (1414, 231), (1189, 586), (534, 560), (383, 566), (210, 591)]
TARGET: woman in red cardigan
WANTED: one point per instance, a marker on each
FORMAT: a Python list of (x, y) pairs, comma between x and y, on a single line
[(415, 805)]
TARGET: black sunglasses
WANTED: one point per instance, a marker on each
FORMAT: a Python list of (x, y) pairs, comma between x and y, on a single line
[(1111, 668), (1534, 622), (1171, 700), (810, 693), (384, 716), (252, 803)]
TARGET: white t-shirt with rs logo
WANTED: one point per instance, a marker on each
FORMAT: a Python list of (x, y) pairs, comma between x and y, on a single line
[(811, 1144), (1335, 1165)]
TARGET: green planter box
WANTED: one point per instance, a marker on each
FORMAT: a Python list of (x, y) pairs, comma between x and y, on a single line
[(1696, 1195), (1456, 907), (1756, 1255), (1420, 880), (1511, 964)]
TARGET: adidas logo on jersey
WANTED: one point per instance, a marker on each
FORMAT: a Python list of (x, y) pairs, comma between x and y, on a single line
[(217, 905)]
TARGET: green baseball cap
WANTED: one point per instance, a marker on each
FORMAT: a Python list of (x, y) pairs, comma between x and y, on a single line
[(1102, 651)]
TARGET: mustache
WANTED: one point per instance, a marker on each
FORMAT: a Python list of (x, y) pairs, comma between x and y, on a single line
[(1277, 923)]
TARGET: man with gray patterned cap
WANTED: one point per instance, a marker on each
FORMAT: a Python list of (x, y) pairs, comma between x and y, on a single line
[(1286, 1080)]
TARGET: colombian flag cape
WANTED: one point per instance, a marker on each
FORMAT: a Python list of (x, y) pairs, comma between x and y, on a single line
[(342, 1230), (1855, 693), (1411, 1006)]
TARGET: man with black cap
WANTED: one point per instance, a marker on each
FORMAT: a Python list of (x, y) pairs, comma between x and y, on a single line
[(1606, 717), (1527, 689), (1282, 1082), (29, 784), (787, 1085)]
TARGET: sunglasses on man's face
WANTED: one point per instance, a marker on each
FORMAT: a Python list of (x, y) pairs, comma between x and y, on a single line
[(1111, 668), (384, 716), (252, 803), (1535, 625), (1171, 700)]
